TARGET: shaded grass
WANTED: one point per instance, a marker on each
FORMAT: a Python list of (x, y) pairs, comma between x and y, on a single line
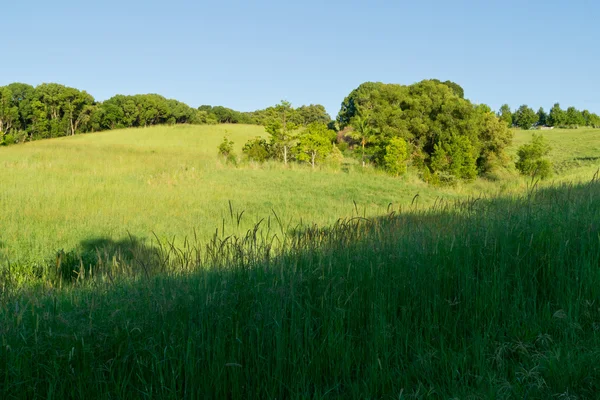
[(480, 298)]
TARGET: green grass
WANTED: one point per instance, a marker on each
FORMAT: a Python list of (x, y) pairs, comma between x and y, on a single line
[(62, 193), (485, 299), (573, 151), (449, 295)]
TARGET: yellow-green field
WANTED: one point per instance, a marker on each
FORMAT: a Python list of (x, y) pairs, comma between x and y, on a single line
[(61, 193)]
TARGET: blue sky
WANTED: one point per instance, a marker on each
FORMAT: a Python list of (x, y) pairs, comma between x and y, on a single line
[(251, 54)]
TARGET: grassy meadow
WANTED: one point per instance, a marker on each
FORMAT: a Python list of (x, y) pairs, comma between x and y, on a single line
[(63, 193), (488, 290)]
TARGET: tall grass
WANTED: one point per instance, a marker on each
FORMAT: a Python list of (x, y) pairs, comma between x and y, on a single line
[(479, 298)]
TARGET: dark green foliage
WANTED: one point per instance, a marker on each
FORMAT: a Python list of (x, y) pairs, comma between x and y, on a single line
[(557, 116), (425, 115), (532, 161), (257, 149), (224, 115), (453, 160), (542, 117), (525, 117), (574, 117)]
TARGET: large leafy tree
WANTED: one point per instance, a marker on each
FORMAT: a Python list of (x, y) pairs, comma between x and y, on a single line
[(542, 117), (574, 117), (427, 115), (557, 116), (314, 143), (283, 130), (9, 111), (525, 117)]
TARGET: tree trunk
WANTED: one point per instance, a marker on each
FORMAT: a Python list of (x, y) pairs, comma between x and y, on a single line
[(312, 159), (285, 154), (363, 152)]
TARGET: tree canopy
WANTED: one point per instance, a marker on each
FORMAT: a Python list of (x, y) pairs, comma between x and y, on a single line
[(433, 120)]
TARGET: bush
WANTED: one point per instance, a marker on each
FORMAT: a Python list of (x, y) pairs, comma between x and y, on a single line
[(531, 160), (226, 150), (257, 149), (454, 159), (335, 158), (396, 154)]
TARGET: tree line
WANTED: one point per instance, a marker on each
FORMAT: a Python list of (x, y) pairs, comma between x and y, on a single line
[(526, 118), (429, 125), (52, 110)]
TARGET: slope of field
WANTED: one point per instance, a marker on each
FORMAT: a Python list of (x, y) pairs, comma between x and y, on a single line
[(73, 193), (574, 151)]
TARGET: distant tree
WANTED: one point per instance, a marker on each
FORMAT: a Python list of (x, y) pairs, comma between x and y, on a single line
[(9, 111), (312, 113), (282, 131), (542, 117), (591, 119), (314, 143), (525, 117), (532, 161), (557, 116), (506, 115), (574, 117), (396, 155)]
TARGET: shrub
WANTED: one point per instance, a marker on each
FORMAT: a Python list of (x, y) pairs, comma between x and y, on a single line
[(396, 154), (531, 160), (257, 149), (335, 157), (454, 159), (226, 150)]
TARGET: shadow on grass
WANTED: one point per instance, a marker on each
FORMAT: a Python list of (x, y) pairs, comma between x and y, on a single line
[(482, 298), (107, 257)]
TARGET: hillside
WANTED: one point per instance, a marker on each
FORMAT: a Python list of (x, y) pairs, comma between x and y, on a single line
[(66, 193)]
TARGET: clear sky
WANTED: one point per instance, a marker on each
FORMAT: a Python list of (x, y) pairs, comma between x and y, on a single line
[(251, 54)]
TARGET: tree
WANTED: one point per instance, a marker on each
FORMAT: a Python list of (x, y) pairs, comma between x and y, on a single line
[(282, 130), (396, 155), (315, 143), (363, 132), (542, 117), (9, 112), (525, 117), (532, 161), (557, 116), (455, 87), (312, 113), (505, 115), (424, 114), (75, 107), (574, 117)]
